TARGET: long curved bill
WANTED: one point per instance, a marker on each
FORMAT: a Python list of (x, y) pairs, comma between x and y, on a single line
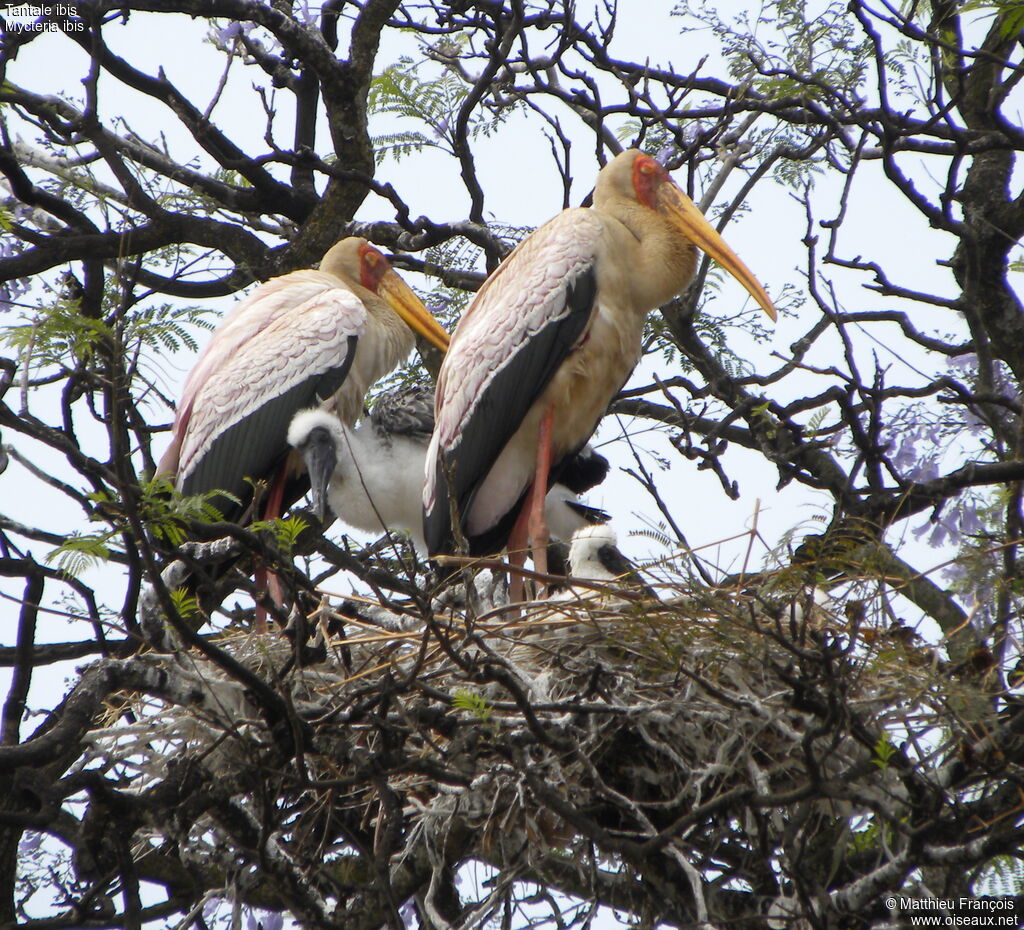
[(320, 457), (683, 213), (410, 308)]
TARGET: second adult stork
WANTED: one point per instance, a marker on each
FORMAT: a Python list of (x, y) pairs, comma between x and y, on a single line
[(546, 344)]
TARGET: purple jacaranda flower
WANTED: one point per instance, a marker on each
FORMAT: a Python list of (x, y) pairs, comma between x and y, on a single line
[(303, 13), (966, 366), (905, 456), (909, 458), (970, 522), (938, 533), (966, 363), (12, 289), (229, 33)]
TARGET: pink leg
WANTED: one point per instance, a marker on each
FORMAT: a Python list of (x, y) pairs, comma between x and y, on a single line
[(531, 529), (262, 578), (517, 543), (538, 527)]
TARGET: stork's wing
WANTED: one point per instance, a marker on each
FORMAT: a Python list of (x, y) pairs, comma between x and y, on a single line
[(407, 411), (526, 319), (259, 309), (239, 417)]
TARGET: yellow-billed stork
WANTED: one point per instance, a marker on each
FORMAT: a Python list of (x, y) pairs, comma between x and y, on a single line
[(310, 337), (546, 344)]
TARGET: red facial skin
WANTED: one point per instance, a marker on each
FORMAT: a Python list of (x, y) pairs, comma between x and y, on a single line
[(648, 176), (372, 267)]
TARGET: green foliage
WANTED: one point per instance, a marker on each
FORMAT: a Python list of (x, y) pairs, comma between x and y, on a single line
[(762, 416), (716, 330), (884, 750), (285, 530), (796, 173), (790, 50), (232, 177), (865, 840), (1009, 14), (185, 604), (657, 534), (81, 551), (474, 703), (816, 423), (166, 513), (398, 91), (793, 51), (648, 134), (404, 92), (58, 334), (166, 326)]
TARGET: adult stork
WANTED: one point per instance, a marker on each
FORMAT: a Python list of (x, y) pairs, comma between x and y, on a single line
[(371, 475), (311, 337), (546, 344)]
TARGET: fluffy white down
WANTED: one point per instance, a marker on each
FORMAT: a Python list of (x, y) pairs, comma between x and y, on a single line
[(377, 482), (583, 551)]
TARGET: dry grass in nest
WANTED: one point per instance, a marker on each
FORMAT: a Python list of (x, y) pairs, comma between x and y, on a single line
[(634, 710)]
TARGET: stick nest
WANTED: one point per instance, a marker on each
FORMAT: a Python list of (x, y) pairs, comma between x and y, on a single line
[(600, 714)]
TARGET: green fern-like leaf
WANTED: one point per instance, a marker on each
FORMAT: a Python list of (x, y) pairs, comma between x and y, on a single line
[(186, 605), (81, 551), (167, 327), (657, 534), (167, 513), (402, 92), (57, 335), (473, 702), (285, 530)]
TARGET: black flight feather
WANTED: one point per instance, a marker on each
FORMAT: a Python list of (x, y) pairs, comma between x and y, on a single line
[(505, 401), (256, 445)]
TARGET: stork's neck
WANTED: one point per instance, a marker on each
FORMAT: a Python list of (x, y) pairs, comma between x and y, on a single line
[(384, 344), (661, 262)]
